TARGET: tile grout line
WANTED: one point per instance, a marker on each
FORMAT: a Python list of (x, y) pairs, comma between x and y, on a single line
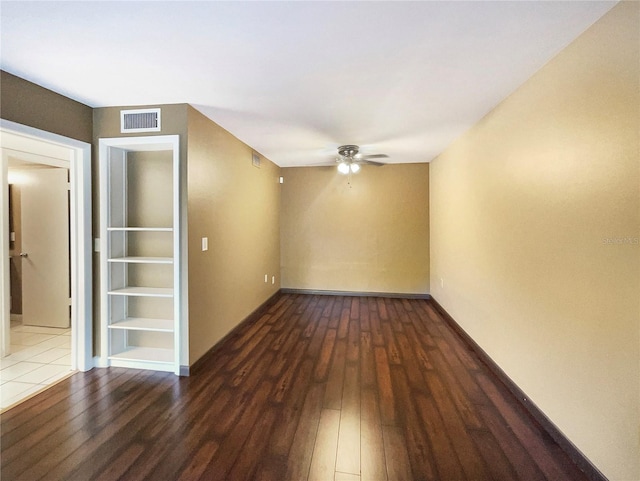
[(24, 335)]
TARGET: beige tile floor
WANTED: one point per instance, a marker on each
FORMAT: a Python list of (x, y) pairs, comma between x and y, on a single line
[(40, 356)]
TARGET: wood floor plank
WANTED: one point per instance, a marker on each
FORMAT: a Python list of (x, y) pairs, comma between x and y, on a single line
[(343, 326), (82, 445), (367, 366), (38, 427), (271, 468), (281, 338), (353, 342), (244, 371), (284, 383), (394, 316), (248, 346), (396, 456), (497, 463), (318, 338), (335, 382), (117, 468), (470, 459), (410, 363), (334, 318), (459, 379), (385, 389), (417, 443), (312, 387), (299, 457), (322, 366), (523, 464), (528, 433), (282, 357), (255, 445), (393, 352), (355, 308), (312, 323), (372, 454), (231, 448), (323, 460), (290, 414), (364, 315), (196, 466), (328, 306), (49, 435), (446, 459), (348, 457), (382, 309), (423, 335), (251, 331), (419, 350), (376, 328)]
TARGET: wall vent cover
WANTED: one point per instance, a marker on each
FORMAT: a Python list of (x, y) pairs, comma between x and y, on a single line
[(141, 120)]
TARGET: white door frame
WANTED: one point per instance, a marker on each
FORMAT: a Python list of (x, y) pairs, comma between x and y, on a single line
[(77, 157)]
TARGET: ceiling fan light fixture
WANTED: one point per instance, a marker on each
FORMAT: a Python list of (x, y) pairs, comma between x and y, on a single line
[(354, 168), (343, 168)]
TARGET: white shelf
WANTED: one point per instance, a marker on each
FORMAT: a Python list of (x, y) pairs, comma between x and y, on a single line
[(140, 229), (143, 291), (144, 324), (147, 354), (142, 260)]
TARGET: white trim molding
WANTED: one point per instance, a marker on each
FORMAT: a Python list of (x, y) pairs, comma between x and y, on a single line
[(77, 156)]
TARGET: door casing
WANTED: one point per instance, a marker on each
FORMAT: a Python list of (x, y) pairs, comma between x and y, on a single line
[(75, 155)]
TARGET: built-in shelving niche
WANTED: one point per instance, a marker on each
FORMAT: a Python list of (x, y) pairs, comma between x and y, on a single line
[(140, 252)]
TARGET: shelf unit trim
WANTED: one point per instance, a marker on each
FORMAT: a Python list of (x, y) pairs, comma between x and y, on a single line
[(146, 354), (143, 324), (142, 291), (142, 260), (139, 229)]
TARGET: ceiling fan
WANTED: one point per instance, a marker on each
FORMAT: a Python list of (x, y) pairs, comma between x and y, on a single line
[(349, 159)]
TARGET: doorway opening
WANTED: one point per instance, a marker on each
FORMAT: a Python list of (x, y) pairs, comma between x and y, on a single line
[(48, 249)]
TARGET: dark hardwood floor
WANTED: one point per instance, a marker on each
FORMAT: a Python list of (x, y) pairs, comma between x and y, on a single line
[(318, 388)]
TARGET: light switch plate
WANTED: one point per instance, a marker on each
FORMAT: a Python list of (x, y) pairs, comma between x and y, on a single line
[(205, 244)]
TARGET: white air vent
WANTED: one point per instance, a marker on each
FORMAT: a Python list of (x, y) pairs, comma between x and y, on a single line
[(141, 120)]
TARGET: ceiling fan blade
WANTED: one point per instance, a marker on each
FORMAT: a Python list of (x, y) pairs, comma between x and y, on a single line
[(371, 162), (375, 156)]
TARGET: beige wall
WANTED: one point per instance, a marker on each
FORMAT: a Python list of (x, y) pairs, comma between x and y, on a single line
[(370, 236), (29, 104), (236, 206), (523, 208), (225, 199)]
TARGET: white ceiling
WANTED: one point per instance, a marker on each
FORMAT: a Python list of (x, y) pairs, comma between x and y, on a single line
[(296, 79)]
